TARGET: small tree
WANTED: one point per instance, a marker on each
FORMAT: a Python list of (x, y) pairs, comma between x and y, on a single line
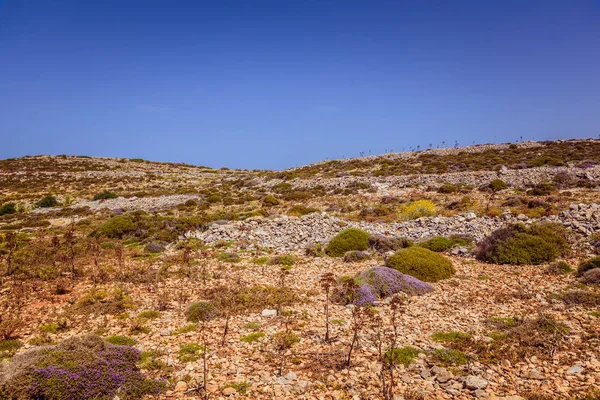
[(327, 281)]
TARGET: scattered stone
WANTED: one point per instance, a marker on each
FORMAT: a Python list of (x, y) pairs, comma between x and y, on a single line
[(180, 387), (575, 369), (229, 391), (474, 382), (268, 313)]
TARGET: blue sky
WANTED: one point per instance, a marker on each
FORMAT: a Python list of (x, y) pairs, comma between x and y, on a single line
[(275, 84)]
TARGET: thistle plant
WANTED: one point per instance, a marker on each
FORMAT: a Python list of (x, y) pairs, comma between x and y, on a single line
[(283, 273), (327, 281)]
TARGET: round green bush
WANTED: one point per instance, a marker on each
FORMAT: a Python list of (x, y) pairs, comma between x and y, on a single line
[(437, 244), (270, 200), (347, 240), (47, 202), (105, 195), (421, 263), (201, 311), (117, 227), (497, 184), (519, 244), (8, 208), (587, 265)]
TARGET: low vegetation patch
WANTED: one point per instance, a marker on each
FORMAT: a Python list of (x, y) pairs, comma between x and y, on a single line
[(8, 208), (383, 244), (190, 352), (441, 243), (78, 368), (121, 340), (252, 337), (450, 357), (401, 356), (520, 244), (47, 202), (105, 195), (449, 336), (347, 240), (418, 209), (589, 264), (559, 268), (104, 302), (251, 298), (421, 263)]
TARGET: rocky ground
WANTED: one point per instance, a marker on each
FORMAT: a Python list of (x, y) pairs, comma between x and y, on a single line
[(478, 293)]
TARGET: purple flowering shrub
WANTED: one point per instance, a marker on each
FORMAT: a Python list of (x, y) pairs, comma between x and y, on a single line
[(375, 283), (350, 290), (364, 295), (79, 368), (388, 281)]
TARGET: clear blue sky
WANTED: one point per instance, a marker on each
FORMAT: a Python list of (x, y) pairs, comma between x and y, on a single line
[(273, 84)]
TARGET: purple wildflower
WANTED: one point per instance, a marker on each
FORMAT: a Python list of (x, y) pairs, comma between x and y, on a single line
[(114, 369), (386, 281), (364, 296)]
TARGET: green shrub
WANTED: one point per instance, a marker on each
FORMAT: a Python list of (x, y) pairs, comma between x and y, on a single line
[(201, 311), (47, 202), (121, 340), (190, 352), (8, 348), (240, 387), (589, 264), (186, 329), (402, 355), (497, 184), (105, 195), (418, 209), (270, 201), (421, 263), (448, 188), (252, 337), (118, 226), (559, 268), (346, 240), (8, 208), (149, 314), (383, 243), (229, 257), (213, 198), (450, 336), (262, 260), (299, 210), (437, 244), (283, 259), (450, 356), (520, 244), (49, 328)]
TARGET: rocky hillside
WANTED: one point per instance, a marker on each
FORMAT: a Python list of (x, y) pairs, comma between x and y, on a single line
[(451, 273)]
